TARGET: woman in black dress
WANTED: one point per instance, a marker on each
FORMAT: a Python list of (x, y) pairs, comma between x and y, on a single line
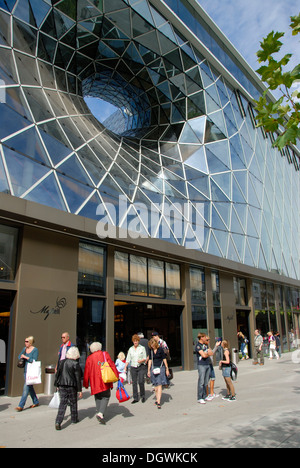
[(157, 369)]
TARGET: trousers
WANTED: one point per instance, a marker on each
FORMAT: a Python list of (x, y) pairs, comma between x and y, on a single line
[(138, 378), (67, 395)]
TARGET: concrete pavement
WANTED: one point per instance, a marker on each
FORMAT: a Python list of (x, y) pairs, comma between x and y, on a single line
[(266, 414)]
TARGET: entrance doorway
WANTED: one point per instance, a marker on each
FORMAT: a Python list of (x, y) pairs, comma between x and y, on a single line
[(134, 317), (6, 300), (242, 318)]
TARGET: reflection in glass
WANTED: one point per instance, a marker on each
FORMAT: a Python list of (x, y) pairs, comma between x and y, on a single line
[(8, 252), (121, 273), (138, 275), (197, 281), (173, 281), (91, 274), (156, 276)]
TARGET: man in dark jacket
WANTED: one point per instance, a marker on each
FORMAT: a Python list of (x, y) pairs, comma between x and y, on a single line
[(68, 380)]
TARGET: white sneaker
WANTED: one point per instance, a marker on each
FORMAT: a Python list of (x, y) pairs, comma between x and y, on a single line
[(202, 402), (209, 398)]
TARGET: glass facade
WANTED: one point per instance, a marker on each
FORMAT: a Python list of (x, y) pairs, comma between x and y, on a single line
[(181, 145)]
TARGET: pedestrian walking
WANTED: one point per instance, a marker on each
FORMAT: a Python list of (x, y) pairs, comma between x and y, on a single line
[(258, 348), (29, 353), (278, 343), (243, 341), (157, 369), (136, 357), (272, 345), (225, 365), (64, 347), (92, 377), (68, 380)]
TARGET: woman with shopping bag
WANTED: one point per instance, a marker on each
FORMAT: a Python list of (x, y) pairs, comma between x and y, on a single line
[(30, 354), (94, 376)]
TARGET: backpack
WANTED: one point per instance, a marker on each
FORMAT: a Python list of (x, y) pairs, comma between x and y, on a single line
[(233, 372)]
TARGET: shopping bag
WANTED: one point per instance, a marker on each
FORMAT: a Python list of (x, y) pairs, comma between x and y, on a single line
[(108, 375), (33, 373), (121, 393), (55, 401)]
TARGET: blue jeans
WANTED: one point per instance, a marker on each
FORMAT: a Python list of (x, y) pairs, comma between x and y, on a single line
[(28, 390), (203, 379)]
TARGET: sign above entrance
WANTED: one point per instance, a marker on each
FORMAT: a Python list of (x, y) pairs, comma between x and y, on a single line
[(60, 304)]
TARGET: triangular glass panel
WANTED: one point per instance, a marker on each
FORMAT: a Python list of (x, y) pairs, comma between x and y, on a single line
[(216, 221), (222, 239), (75, 193), (223, 180), (215, 165), (213, 247), (216, 193), (29, 143), (47, 193), (198, 127), (198, 160), (237, 194), (224, 210), (89, 210), (188, 136), (74, 169), (232, 251), (56, 149)]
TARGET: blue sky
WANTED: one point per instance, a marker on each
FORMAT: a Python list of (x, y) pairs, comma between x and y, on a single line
[(246, 23)]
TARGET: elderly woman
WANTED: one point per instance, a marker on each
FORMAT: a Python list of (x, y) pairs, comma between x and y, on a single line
[(30, 353), (157, 368), (68, 380), (136, 357), (93, 376)]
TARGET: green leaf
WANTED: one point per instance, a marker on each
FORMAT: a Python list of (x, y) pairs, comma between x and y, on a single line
[(295, 24)]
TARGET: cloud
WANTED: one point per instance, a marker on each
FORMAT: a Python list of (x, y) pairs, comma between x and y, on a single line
[(247, 23)]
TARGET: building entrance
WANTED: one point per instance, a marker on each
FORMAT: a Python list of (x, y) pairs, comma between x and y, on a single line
[(243, 326), (134, 317), (6, 300)]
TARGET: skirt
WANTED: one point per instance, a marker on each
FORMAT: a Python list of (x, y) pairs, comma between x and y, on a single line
[(159, 379)]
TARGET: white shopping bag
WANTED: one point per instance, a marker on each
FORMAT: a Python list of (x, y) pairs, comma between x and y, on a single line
[(54, 403), (34, 373)]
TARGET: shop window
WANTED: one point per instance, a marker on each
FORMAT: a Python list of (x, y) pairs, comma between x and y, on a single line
[(173, 290), (142, 276), (8, 252), (240, 291), (91, 270)]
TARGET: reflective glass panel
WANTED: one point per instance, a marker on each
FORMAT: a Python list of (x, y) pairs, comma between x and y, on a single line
[(91, 272), (8, 252)]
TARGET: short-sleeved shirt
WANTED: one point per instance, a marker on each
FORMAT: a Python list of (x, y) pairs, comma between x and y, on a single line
[(157, 357), (201, 360)]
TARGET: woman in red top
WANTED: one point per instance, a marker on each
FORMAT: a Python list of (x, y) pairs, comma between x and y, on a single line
[(92, 376)]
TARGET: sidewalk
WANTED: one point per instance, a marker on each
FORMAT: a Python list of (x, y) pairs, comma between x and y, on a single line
[(266, 414)]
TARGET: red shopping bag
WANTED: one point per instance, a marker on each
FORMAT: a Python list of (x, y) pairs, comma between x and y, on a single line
[(121, 393)]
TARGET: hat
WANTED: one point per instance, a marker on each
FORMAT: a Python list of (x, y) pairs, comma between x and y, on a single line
[(154, 333)]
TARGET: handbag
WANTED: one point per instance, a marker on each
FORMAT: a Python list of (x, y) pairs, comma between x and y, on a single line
[(121, 393), (108, 375), (33, 373), (21, 363), (170, 374), (55, 401)]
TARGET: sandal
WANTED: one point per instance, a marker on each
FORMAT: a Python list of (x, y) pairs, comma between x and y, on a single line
[(158, 405)]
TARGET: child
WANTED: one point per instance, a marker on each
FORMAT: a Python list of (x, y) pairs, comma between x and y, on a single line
[(120, 365)]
